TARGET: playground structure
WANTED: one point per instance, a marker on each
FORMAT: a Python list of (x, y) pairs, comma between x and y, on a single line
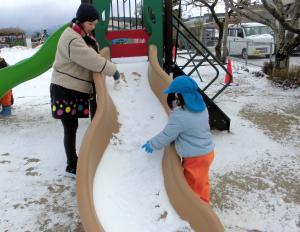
[(144, 38)]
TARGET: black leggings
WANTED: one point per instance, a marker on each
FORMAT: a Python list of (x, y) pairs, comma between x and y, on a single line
[(70, 129)]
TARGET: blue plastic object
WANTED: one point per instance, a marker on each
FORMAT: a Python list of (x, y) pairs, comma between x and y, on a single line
[(148, 148), (188, 88)]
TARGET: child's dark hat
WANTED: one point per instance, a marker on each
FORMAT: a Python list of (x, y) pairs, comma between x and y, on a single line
[(87, 12)]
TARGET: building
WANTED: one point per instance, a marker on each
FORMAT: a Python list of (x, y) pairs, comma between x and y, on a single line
[(10, 37)]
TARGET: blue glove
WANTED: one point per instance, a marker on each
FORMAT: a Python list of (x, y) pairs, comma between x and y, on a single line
[(148, 148)]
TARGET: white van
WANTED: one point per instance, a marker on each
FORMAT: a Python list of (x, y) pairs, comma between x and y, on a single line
[(252, 39)]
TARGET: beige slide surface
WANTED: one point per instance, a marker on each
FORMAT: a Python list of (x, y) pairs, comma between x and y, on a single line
[(187, 204), (96, 139)]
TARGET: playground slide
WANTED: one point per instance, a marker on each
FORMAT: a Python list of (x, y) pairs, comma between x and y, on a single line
[(96, 139), (32, 67), (186, 203)]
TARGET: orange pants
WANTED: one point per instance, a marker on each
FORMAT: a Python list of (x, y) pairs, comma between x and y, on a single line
[(6, 100), (196, 172)]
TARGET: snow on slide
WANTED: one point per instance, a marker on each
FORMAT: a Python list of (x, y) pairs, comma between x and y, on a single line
[(129, 188)]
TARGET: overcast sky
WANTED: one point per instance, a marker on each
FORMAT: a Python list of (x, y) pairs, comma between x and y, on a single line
[(41, 14), (36, 14)]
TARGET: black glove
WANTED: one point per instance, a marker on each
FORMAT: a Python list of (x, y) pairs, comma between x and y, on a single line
[(116, 75)]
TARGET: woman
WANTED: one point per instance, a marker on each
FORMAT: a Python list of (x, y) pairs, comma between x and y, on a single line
[(72, 84)]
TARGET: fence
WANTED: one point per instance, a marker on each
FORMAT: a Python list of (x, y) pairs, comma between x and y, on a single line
[(126, 14)]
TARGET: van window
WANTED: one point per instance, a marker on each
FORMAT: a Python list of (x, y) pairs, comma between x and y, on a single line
[(258, 30), (231, 32), (240, 33)]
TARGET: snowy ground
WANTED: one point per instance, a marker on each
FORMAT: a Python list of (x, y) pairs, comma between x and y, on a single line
[(259, 61), (252, 60), (255, 176)]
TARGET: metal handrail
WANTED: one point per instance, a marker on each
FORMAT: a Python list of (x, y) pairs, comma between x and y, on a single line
[(191, 58), (205, 55)]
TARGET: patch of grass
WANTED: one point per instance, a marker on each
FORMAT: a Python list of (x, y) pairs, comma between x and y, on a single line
[(276, 125), (263, 178), (286, 78), (235, 181)]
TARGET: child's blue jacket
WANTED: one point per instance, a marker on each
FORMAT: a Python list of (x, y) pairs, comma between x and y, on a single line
[(189, 130)]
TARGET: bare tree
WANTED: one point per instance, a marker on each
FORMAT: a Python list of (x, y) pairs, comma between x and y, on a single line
[(211, 5), (282, 18), (226, 20), (286, 16)]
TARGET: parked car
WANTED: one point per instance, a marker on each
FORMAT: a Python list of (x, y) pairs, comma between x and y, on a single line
[(250, 39)]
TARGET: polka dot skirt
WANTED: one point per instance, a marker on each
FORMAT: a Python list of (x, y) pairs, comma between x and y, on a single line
[(66, 103)]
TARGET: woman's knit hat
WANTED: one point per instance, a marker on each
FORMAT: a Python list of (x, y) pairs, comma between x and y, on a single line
[(87, 12), (189, 90)]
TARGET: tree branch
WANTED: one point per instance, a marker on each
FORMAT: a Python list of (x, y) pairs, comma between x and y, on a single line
[(280, 16), (251, 14)]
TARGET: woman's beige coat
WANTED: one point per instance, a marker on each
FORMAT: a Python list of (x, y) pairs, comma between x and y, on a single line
[(75, 61)]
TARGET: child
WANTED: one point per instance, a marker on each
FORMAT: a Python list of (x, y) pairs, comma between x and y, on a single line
[(7, 100), (188, 126)]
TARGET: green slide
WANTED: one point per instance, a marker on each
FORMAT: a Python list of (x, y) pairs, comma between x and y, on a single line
[(31, 67)]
